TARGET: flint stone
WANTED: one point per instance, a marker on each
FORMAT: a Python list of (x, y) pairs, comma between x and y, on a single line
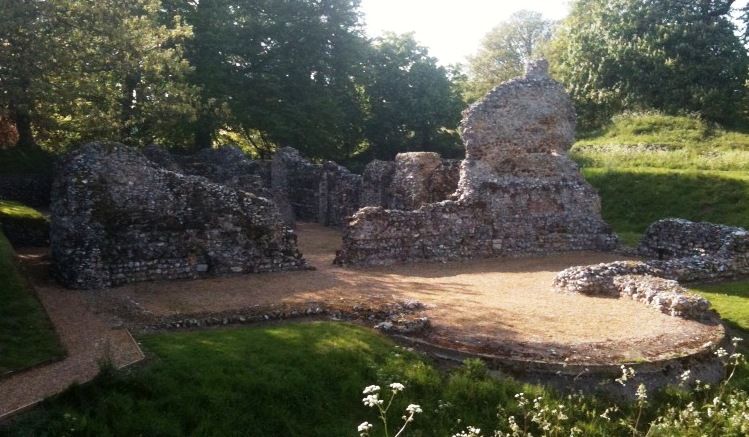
[(518, 193), (117, 218)]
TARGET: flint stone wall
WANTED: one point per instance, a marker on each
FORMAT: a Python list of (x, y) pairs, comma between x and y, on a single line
[(413, 180), (681, 251), (679, 238), (339, 194), (325, 193), (118, 218), (518, 192)]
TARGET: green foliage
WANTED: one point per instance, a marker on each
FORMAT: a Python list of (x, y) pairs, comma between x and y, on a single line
[(83, 70), (654, 139), (633, 198), (27, 337), (411, 104), (665, 54), (18, 211), (25, 160), (505, 50), (284, 69)]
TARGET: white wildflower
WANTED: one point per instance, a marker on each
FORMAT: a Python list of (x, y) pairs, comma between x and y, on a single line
[(627, 374), (413, 408), (364, 427), (372, 400), (684, 377), (397, 386), (721, 353), (642, 392), (371, 389)]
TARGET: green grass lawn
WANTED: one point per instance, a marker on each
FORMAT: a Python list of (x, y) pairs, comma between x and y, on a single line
[(27, 336), (302, 379), (651, 166), (731, 300), (633, 198)]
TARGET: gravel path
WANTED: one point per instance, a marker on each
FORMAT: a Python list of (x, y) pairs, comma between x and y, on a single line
[(87, 339), (500, 306)]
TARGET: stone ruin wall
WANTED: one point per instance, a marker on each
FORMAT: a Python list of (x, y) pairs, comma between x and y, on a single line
[(325, 193), (117, 217), (675, 250), (518, 192), (413, 180)]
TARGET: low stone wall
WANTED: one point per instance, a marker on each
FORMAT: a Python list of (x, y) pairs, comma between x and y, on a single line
[(685, 251), (637, 281), (679, 238), (117, 218)]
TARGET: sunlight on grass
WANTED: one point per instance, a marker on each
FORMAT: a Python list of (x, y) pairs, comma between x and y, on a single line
[(731, 300), (662, 141), (633, 198), (18, 211)]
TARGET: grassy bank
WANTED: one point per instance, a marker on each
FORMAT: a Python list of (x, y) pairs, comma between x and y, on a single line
[(307, 380), (633, 198), (661, 141), (27, 337)]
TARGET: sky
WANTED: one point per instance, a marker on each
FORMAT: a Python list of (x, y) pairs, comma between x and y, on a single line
[(452, 29)]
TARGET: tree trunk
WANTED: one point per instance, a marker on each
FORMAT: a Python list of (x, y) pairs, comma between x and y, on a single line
[(20, 112), (203, 132), (128, 104)]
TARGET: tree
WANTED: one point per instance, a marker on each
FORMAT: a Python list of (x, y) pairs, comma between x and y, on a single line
[(671, 55), (76, 70), (24, 53), (506, 49), (411, 102), (277, 72)]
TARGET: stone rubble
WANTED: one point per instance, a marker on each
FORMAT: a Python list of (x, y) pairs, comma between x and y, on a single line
[(518, 192), (117, 218), (681, 251)]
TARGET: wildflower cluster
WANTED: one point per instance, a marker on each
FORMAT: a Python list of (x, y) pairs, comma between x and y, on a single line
[(718, 410), (372, 399)]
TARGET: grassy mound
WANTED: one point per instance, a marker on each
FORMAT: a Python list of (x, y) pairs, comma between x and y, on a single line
[(663, 141), (27, 337), (633, 198)]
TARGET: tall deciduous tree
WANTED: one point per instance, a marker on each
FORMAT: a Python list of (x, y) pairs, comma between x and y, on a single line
[(74, 70), (411, 102), (25, 52), (506, 49), (671, 55), (278, 71)]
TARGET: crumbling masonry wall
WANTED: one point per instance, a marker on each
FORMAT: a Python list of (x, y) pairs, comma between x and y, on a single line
[(678, 250), (326, 193), (117, 217), (519, 192)]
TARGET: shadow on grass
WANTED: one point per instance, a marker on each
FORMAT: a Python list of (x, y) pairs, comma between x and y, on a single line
[(632, 199)]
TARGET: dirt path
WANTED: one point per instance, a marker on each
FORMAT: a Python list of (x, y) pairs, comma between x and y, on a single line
[(502, 306), (87, 339)]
